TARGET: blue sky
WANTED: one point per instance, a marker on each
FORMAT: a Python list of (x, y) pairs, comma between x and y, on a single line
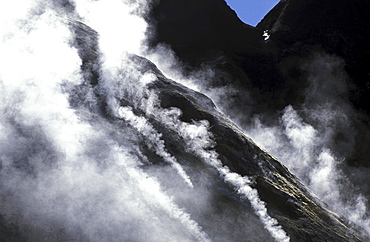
[(251, 11)]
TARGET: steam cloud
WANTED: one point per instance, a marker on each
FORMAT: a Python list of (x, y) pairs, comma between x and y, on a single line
[(308, 149), (63, 174), (68, 174)]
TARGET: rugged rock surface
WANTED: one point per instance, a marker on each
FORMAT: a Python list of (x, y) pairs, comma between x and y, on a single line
[(302, 216), (271, 73)]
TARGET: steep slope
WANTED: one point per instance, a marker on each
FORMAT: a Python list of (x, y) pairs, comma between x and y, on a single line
[(302, 92), (287, 200), (272, 75), (133, 134), (208, 34)]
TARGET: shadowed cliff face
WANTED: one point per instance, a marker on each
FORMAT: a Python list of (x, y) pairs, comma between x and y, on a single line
[(341, 30), (208, 35), (277, 72), (301, 93), (201, 30)]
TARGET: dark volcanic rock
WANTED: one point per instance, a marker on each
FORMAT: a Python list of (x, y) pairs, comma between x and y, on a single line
[(271, 74), (208, 33), (339, 29), (201, 30), (302, 216), (299, 28)]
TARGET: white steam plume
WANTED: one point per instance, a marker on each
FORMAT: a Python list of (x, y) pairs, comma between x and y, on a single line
[(64, 174), (302, 149), (146, 129), (199, 140), (306, 149), (120, 31)]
